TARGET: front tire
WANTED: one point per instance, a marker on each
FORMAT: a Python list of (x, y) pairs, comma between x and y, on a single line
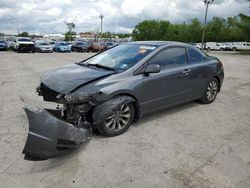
[(114, 116), (211, 91)]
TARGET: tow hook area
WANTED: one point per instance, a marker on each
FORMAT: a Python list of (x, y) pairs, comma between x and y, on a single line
[(49, 136)]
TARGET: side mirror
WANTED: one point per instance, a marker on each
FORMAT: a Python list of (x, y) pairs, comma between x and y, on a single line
[(152, 68)]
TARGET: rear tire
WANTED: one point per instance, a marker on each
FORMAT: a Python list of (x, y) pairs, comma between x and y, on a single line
[(114, 116), (211, 91)]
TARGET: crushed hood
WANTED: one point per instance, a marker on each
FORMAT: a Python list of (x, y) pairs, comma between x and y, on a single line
[(67, 78)]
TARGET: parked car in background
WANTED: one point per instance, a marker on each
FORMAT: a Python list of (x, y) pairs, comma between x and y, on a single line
[(3, 45), (52, 43), (80, 46), (43, 46), (111, 90), (240, 46), (62, 47), (98, 47), (24, 44), (217, 46), (197, 45), (70, 43), (10, 44), (110, 45)]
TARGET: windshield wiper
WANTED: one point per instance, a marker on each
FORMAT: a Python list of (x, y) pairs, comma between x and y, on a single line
[(96, 65), (103, 66), (100, 66)]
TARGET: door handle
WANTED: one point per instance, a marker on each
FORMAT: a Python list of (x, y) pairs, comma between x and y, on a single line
[(186, 71)]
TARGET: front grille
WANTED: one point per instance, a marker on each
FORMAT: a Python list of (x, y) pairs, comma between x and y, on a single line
[(26, 47)]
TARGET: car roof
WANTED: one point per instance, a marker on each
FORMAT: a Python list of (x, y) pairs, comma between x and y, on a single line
[(159, 43)]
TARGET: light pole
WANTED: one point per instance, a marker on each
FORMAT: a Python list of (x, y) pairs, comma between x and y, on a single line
[(101, 17), (207, 3)]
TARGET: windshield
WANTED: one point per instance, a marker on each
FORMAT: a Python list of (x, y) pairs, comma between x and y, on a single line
[(63, 44), (109, 44), (81, 43), (121, 57), (24, 39), (43, 44)]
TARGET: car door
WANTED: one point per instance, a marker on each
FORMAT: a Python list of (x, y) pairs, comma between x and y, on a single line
[(201, 72), (171, 85)]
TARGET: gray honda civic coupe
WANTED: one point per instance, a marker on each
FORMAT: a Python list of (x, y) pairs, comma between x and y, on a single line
[(111, 90)]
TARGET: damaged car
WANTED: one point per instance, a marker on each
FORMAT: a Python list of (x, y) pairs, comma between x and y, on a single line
[(111, 90), (24, 44)]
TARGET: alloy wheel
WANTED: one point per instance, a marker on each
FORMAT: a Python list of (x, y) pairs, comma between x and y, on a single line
[(212, 90), (119, 119)]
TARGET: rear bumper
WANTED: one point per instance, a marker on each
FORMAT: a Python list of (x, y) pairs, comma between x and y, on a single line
[(50, 136)]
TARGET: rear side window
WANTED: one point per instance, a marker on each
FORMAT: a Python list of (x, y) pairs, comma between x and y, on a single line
[(194, 56), (170, 57)]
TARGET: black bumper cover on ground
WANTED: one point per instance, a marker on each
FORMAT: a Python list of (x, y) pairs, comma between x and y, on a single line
[(50, 136)]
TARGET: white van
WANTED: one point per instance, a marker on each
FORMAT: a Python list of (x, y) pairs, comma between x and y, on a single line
[(217, 46), (240, 46)]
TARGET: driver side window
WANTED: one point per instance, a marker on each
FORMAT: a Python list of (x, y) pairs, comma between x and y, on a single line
[(171, 57)]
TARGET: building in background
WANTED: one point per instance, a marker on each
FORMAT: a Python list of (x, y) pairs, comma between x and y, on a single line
[(54, 37)]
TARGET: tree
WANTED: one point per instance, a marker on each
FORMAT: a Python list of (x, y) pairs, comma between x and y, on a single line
[(150, 30), (233, 32), (244, 25), (123, 35), (106, 35), (23, 34), (68, 35), (216, 30), (195, 31)]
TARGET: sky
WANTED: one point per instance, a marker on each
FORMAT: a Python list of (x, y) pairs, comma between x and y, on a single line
[(50, 16)]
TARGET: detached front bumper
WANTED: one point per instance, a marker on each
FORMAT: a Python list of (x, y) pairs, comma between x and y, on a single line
[(50, 136)]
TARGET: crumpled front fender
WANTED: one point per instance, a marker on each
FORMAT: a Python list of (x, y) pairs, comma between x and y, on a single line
[(50, 136)]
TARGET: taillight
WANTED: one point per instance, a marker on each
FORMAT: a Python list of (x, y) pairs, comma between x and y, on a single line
[(221, 65)]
